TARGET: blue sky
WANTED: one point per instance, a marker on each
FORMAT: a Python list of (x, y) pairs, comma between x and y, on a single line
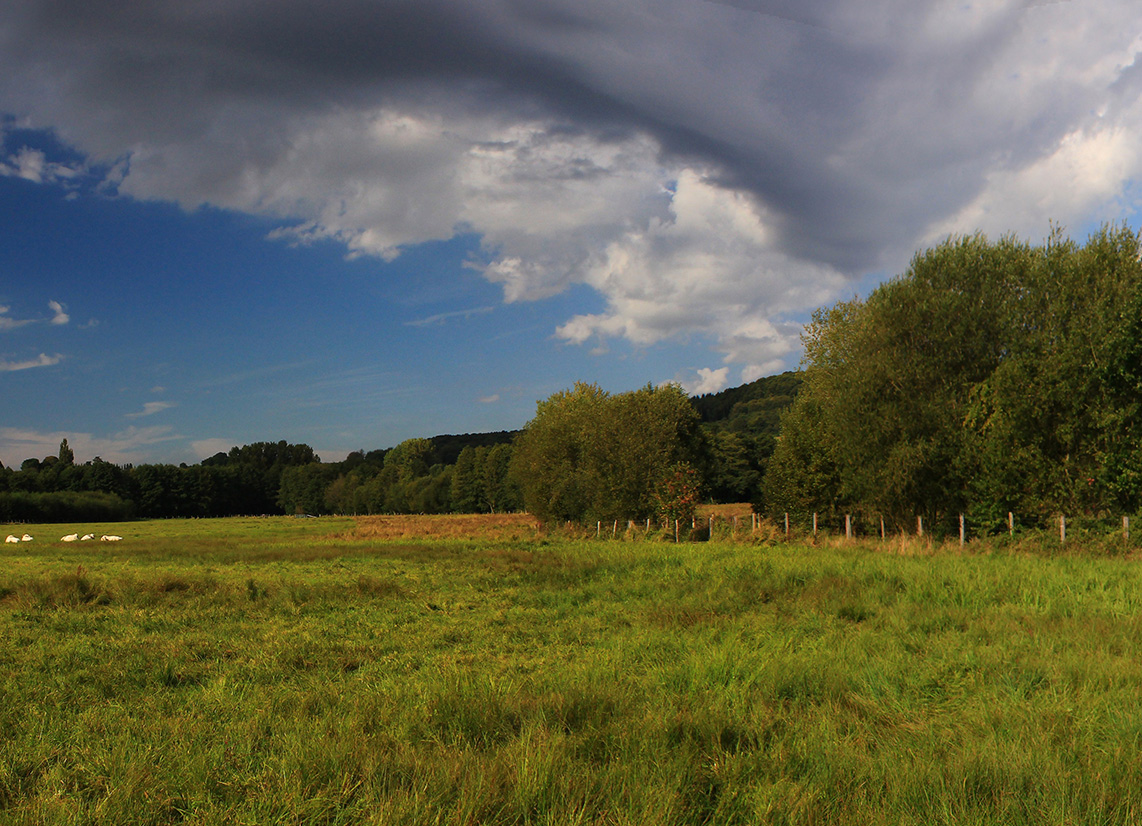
[(175, 334), (351, 223), (142, 331)]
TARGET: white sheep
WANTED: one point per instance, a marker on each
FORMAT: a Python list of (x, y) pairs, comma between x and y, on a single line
[(71, 537), (26, 538), (110, 538), (86, 537), (12, 538)]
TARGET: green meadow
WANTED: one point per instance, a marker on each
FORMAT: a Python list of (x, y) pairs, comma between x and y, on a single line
[(285, 671)]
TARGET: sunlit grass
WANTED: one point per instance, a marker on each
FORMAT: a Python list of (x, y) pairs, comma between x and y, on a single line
[(277, 671)]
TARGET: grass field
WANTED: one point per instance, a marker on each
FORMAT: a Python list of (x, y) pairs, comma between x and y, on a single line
[(332, 671)]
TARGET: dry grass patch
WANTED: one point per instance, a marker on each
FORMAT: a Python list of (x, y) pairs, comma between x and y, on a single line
[(742, 510), (497, 526), (501, 526)]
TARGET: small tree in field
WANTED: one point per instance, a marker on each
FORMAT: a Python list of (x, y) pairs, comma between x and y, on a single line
[(676, 497)]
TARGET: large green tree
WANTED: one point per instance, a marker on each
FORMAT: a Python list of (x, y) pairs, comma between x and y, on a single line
[(468, 480), (66, 454), (991, 376), (500, 492), (590, 455)]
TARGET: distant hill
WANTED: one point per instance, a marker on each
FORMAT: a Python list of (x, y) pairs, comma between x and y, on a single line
[(755, 406), (447, 448), (742, 424)]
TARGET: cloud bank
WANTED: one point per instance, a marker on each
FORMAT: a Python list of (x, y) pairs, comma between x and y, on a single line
[(712, 169), (125, 447)]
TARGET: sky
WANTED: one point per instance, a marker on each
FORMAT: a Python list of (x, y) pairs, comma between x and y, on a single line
[(355, 222)]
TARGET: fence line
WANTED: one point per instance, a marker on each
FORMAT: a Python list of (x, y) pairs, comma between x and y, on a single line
[(785, 528)]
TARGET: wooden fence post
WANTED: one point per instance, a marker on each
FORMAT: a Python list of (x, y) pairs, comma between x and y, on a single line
[(848, 526), (1126, 529), (919, 525), (961, 530), (1010, 524), (882, 529), (787, 526), (814, 526), (1062, 529)]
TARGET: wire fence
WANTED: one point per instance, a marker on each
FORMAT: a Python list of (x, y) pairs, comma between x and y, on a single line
[(1105, 532)]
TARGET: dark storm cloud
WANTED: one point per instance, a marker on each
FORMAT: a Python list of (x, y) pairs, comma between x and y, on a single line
[(757, 90), (554, 128)]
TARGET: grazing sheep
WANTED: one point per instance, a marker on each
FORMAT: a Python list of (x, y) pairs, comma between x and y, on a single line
[(26, 538), (71, 537), (109, 538), (86, 537), (12, 538)]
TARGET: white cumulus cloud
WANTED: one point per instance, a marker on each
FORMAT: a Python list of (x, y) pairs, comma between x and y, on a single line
[(9, 323), (59, 316), (713, 268), (33, 165), (205, 448), (706, 380)]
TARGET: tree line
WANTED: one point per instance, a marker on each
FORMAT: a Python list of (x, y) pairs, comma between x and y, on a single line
[(406, 479), (992, 377), (586, 455), (260, 478), (57, 488)]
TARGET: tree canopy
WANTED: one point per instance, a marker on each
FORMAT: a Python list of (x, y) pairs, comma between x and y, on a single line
[(993, 376), (591, 455)]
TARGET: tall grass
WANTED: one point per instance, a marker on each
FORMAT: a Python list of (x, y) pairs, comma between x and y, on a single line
[(276, 671)]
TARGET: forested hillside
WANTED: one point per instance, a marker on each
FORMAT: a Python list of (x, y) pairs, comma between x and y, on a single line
[(754, 406), (741, 426)]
